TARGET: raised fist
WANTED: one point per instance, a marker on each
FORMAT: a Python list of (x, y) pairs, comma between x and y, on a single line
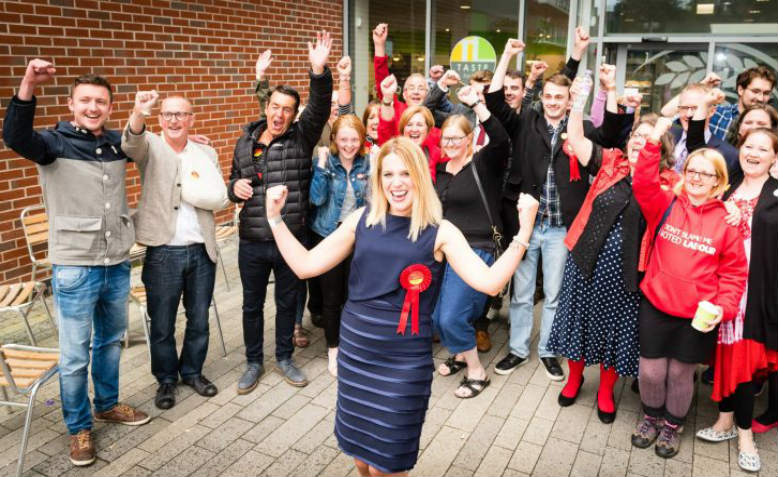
[(468, 96), (436, 72), (380, 33), (450, 78), (711, 79), (513, 47), (581, 40), (145, 101), (38, 72), (536, 70), (608, 77), (389, 86), (344, 67), (275, 198), (663, 125)]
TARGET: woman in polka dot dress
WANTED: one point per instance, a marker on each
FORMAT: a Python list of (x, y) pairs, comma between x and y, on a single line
[(597, 317)]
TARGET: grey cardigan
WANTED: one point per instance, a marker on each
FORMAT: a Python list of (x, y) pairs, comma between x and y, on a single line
[(160, 171)]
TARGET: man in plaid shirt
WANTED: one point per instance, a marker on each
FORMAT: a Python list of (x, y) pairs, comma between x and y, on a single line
[(754, 87)]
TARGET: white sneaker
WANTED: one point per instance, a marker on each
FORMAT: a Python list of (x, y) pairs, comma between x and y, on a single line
[(332, 361)]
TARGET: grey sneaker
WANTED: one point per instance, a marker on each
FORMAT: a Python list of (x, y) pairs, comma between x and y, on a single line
[(292, 373), (669, 442), (250, 377)]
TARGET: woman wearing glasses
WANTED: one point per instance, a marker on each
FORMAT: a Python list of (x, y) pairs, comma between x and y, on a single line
[(597, 318), (468, 186), (696, 257)]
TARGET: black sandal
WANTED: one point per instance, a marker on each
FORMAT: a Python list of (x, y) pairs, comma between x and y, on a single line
[(453, 366), (471, 385)]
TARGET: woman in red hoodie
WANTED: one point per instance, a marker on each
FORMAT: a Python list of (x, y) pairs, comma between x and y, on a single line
[(696, 257)]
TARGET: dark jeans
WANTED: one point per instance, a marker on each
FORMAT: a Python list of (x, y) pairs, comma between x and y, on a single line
[(255, 261), (169, 272), (334, 291)]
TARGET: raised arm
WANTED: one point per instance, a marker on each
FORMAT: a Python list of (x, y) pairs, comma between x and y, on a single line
[(262, 89), (322, 258), (344, 86), (512, 48), (653, 200), (134, 141), (18, 132), (315, 115), (380, 60), (580, 146), (471, 268), (695, 136)]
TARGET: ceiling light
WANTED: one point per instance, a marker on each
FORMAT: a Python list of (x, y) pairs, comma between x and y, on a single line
[(754, 12), (705, 8), (498, 30), (465, 7)]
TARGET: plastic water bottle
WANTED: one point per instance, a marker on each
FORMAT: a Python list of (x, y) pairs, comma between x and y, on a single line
[(586, 88)]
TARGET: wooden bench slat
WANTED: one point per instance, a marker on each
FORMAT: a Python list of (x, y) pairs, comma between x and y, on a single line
[(24, 295), (33, 219), (13, 290), (29, 363), (21, 382), (11, 353)]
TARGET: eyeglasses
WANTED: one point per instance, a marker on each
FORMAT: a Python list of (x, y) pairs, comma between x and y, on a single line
[(179, 115), (691, 173), (452, 140), (687, 109)]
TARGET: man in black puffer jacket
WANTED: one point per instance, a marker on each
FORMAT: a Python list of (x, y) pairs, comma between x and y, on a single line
[(276, 151)]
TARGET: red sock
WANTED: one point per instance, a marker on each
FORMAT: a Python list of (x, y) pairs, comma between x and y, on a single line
[(608, 378), (574, 378)]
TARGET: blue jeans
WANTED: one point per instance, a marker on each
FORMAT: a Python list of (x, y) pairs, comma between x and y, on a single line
[(255, 261), (458, 307), (168, 272), (548, 241), (86, 298)]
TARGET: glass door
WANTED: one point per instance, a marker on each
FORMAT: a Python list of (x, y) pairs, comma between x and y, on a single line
[(658, 71)]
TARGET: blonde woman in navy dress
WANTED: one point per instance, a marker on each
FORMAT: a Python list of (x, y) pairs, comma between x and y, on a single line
[(399, 244)]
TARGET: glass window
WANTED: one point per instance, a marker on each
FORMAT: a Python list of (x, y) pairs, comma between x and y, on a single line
[(546, 23), (732, 58), (729, 17), (405, 44), (493, 20), (659, 73)]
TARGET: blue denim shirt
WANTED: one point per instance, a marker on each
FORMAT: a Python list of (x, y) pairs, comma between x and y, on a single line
[(328, 190)]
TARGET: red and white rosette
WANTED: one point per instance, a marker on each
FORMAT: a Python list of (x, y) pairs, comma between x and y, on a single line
[(575, 174), (415, 279)]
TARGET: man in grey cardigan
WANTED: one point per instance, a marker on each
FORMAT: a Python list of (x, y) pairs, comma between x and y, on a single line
[(180, 239)]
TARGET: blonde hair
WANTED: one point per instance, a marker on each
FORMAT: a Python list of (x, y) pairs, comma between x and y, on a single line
[(460, 122), (713, 157), (412, 111), (348, 121), (426, 209)]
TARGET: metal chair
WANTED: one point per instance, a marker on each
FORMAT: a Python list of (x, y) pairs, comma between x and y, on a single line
[(138, 296), (35, 225), (20, 297), (24, 369), (224, 233)]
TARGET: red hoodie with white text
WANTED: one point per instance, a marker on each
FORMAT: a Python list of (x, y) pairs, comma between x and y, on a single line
[(696, 256)]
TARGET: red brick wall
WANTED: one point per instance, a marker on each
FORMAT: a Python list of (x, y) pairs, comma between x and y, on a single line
[(204, 49)]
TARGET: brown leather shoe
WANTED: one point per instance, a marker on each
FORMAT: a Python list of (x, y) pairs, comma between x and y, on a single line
[(482, 341), (123, 414), (82, 448)]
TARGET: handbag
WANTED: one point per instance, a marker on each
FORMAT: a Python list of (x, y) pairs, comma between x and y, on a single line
[(202, 185), (496, 235)]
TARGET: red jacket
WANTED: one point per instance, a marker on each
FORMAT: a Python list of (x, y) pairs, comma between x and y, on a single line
[(614, 167), (697, 256)]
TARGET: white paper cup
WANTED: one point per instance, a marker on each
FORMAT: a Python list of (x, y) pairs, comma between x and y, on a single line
[(706, 312)]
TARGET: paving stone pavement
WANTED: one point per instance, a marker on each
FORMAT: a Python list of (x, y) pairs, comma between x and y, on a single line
[(514, 428)]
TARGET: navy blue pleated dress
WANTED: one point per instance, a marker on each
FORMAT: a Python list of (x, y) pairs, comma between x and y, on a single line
[(384, 378)]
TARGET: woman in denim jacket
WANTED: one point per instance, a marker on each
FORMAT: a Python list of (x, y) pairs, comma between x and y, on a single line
[(338, 187)]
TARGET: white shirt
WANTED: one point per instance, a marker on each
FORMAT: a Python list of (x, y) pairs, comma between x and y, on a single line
[(187, 227)]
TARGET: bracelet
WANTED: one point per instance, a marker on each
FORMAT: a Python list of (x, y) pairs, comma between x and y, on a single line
[(274, 221), (517, 241)]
